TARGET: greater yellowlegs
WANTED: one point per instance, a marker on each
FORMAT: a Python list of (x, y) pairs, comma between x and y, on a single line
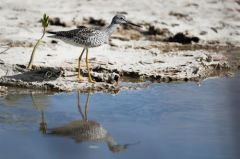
[(88, 38)]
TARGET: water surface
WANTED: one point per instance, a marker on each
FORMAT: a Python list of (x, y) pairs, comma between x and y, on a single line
[(176, 120)]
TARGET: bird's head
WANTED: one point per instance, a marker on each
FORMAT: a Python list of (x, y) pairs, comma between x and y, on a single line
[(121, 19)]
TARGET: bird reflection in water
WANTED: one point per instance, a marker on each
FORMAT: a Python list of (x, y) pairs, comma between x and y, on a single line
[(83, 130)]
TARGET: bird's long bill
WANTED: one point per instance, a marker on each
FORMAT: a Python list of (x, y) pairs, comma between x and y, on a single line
[(128, 22)]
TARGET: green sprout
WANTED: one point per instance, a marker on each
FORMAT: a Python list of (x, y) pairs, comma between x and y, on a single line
[(45, 22)]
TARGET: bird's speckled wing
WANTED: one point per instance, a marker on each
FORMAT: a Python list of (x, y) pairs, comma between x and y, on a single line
[(82, 36), (90, 37), (82, 32)]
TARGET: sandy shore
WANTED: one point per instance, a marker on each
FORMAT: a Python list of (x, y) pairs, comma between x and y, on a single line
[(181, 40)]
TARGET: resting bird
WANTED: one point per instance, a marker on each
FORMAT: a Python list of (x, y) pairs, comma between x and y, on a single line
[(88, 38)]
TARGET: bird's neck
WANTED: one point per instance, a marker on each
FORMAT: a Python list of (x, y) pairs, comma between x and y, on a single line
[(111, 28), (110, 140)]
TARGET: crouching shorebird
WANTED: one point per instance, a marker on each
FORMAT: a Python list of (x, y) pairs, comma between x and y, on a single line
[(88, 38)]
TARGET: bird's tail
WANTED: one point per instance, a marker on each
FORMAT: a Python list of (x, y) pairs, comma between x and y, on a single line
[(51, 32)]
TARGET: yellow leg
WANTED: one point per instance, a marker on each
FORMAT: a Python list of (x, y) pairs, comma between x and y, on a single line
[(89, 75), (79, 64)]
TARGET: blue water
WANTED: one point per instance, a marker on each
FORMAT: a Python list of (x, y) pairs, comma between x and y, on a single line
[(176, 120)]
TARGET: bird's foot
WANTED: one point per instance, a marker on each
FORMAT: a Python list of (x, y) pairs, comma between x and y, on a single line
[(79, 78), (91, 81)]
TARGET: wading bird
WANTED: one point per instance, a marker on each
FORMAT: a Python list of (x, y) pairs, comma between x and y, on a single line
[(88, 38)]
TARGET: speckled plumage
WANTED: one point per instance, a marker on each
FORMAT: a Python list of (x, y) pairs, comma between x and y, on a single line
[(83, 37)]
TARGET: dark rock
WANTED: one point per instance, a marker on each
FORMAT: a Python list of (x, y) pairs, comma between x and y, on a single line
[(56, 21), (54, 41), (131, 74), (36, 75), (97, 22), (186, 79), (108, 78), (183, 39), (152, 30)]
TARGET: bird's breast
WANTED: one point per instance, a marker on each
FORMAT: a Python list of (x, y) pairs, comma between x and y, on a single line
[(90, 41)]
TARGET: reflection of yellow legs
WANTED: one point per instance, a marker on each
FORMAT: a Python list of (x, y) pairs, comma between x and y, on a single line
[(86, 106), (79, 106), (89, 75), (79, 64), (84, 116)]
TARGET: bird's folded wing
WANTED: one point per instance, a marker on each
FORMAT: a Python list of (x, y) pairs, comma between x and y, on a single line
[(85, 33), (82, 33)]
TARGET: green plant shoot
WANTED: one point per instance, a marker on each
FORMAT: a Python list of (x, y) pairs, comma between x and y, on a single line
[(44, 21)]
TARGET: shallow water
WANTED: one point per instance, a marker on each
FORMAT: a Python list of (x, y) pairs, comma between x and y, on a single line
[(163, 121)]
